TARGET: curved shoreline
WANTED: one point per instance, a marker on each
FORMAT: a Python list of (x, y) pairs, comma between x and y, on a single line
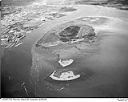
[(94, 69)]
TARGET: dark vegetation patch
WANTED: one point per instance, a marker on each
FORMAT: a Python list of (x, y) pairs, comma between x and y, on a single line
[(69, 33), (67, 9)]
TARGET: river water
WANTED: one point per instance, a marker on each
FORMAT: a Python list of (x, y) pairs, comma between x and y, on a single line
[(108, 68)]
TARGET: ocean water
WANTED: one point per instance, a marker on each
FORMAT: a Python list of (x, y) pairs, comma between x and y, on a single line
[(104, 73)]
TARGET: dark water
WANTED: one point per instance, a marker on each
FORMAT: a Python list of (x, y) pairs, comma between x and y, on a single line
[(15, 72), (110, 68), (15, 68)]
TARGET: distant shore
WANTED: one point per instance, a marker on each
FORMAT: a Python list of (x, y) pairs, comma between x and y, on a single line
[(17, 2), (19, 17)]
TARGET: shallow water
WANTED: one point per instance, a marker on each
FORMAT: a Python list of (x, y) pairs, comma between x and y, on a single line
[(105, 72)]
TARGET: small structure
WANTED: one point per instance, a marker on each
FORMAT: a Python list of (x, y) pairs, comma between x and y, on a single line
[(64, 76)]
